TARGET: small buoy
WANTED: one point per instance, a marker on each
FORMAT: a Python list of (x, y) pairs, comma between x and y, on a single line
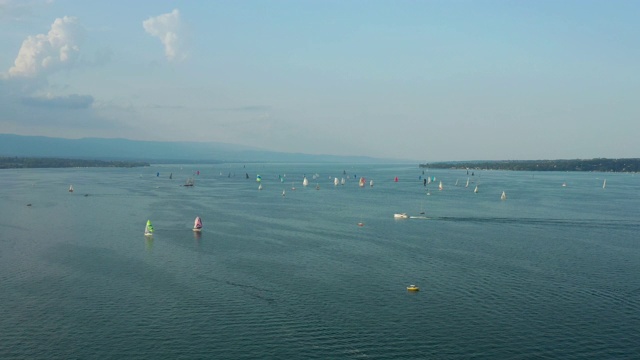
[(360, 224)]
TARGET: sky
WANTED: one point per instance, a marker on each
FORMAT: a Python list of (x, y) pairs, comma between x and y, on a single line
[(427, 80)]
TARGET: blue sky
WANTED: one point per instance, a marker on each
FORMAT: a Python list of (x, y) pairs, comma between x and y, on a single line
[(425, 80)]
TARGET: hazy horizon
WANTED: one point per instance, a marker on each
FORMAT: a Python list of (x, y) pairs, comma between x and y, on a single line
[(432, 81)]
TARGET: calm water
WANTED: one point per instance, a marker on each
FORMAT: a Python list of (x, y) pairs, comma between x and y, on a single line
[(551, 272)]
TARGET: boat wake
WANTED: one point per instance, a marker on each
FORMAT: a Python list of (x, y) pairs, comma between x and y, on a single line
[(545, 221), (255, 291)]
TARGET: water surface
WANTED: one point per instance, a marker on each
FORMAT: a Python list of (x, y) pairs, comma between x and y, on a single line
[(551, 272)]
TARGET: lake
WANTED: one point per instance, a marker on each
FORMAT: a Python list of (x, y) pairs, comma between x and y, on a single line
[(550, 272)]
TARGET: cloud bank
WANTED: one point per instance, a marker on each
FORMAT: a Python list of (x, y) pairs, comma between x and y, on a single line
[(19, 10), (166, 27), (61, 102), (44, 54), (31, 105), (40, 56)]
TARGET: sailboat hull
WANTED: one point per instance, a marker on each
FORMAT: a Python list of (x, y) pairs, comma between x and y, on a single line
[(197, 230)]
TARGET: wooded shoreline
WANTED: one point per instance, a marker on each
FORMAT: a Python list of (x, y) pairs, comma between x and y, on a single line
[(600, 164), (38, 162)]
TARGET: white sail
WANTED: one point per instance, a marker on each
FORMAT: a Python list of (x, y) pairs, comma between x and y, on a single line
[(503, 196), (305, 182), (476, 189), (336, 181), (467, 183), (371, 183), (440, 186), (604, 183)]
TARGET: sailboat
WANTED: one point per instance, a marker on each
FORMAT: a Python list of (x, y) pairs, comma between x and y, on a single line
[(467, 183), (283, 193), (503, 196), (476, 189), (70, 188), (148, 229), (342, 181), (361, 182), (371, 183), (197, 224), (440, 186), (260, 186), (604, 184), (456, 182), (305, 182), (336, 181)]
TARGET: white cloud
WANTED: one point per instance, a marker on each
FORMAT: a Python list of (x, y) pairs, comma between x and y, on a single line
[(44, 54), (166, 27), (31, 105)]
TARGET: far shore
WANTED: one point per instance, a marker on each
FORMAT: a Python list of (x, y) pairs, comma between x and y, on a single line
[(41, 162), (631, 165)]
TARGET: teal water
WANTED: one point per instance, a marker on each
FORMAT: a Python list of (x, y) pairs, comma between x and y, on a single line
[(551, 272)]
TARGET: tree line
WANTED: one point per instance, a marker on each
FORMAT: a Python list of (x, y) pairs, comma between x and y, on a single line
[(598, 164), (37, 162)]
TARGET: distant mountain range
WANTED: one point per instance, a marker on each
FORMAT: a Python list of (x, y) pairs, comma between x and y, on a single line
[(157, 151)]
